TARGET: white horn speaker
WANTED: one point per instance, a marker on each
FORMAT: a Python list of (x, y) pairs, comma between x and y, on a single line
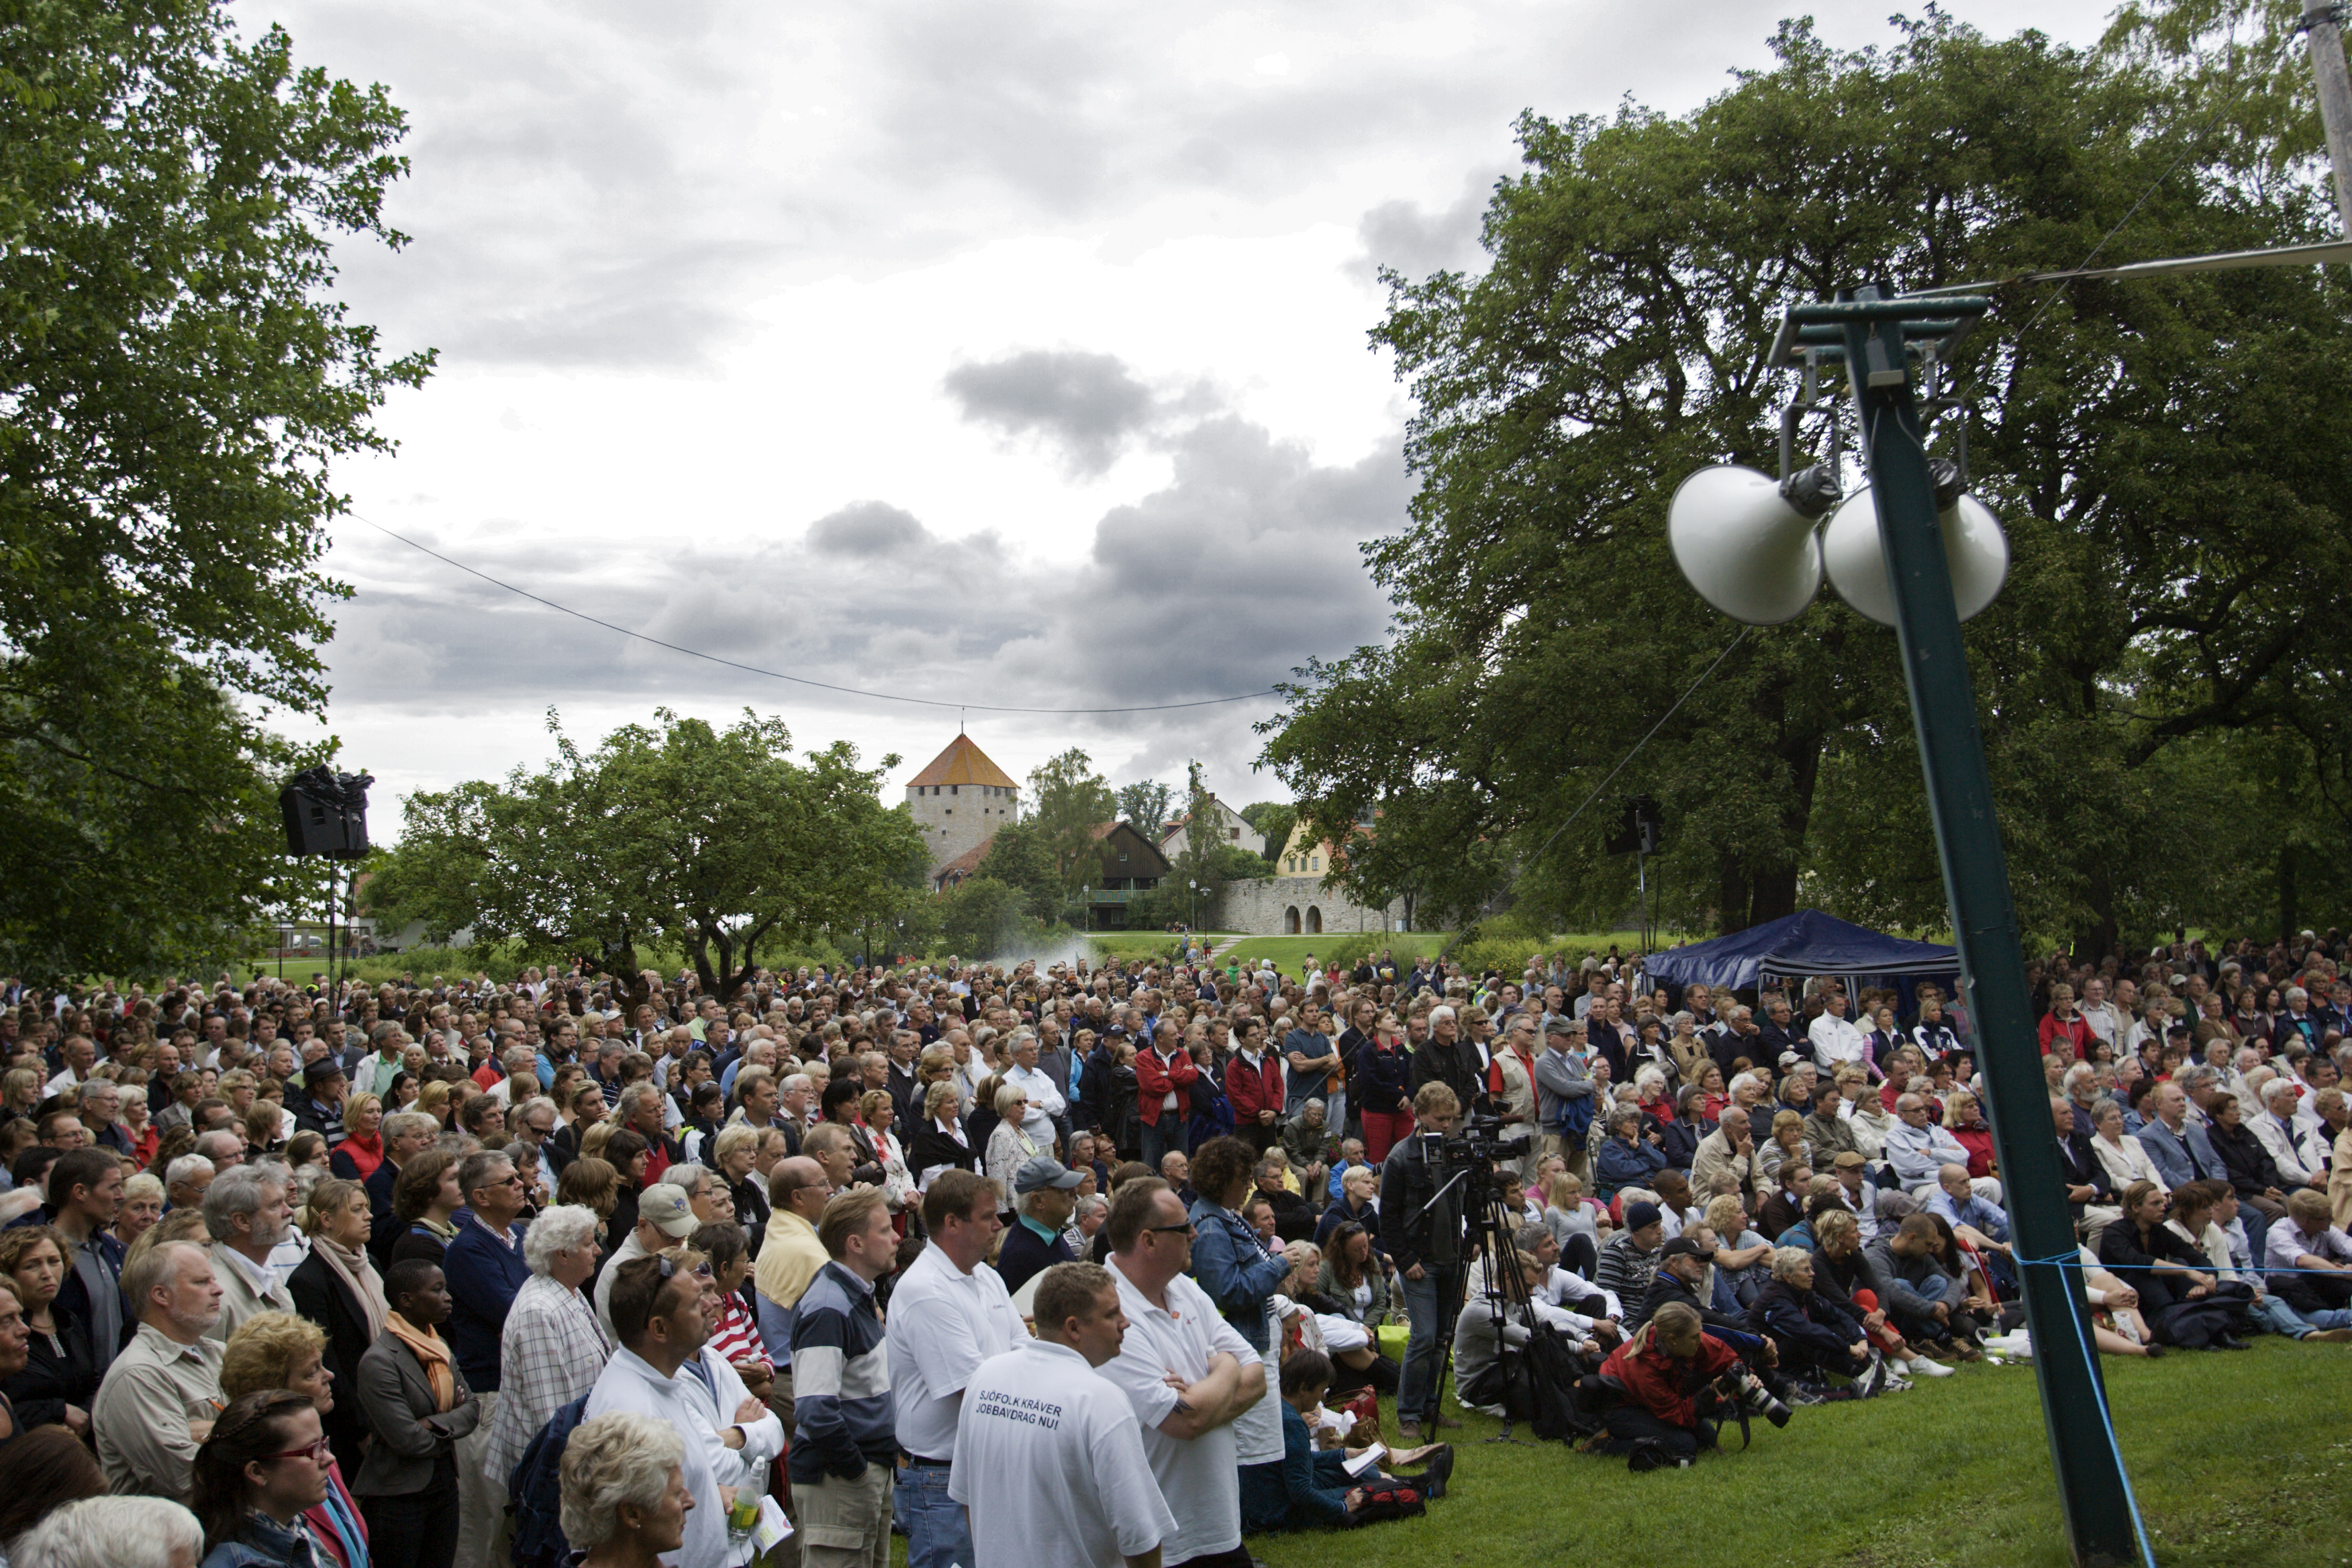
[(1974, 547), (1747, 551)]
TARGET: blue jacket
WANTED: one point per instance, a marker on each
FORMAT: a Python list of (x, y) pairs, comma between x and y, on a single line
[(841, 1384), (1237, 1271), (2181, 1157), (483, 1277), (1616, 1165), (1310, 1486)]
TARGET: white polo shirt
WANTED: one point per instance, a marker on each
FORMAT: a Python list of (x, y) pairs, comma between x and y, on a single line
[(943, 1324), (1835, 1041), (1200, 1477), (1049, 1460)]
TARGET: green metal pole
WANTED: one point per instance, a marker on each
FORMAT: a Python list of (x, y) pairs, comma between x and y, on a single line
[(2100, 1519)]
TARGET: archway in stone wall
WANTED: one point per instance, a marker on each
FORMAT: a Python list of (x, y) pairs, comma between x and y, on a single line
[(1290, 921), (1313, 921)]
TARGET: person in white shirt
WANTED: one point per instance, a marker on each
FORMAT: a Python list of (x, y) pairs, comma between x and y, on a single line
[(2300, 1154), (1176, 1336), (735, 1426), (1835, 1037), (659, 1317), (1047, 1103), (1048, 1455), (949, 1314)]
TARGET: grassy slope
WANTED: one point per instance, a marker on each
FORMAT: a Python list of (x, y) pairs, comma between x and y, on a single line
[(2239, 1459)]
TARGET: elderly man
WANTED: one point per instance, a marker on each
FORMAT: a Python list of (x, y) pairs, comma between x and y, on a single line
[(1044, 1195), (1828, 1131), (2299, 1150), (155, 1407), (1954, 1201), (485, 1266), (185, 1181), (248, 1212), (1730, 1151), (1049, 1108), (2176, 1146), (2310, 1264), (1918, 1150), (948, 1315)]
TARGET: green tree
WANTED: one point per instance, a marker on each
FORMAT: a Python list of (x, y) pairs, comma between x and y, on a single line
[(715, 841), (1072, 801), (1018, 857), (1273, 820), (1145, 806), (982, 917), (175, 379), (2165, 455)]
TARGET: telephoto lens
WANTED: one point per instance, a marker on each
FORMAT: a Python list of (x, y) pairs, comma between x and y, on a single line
[(1760, 1402)]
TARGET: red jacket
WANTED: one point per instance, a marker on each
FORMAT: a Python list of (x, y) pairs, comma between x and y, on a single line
[(1155, 1080), (1252, 1092), (1649, 1374), (2074, 1031)]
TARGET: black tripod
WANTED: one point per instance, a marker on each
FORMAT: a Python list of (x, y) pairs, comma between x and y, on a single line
[(1489, 1224)]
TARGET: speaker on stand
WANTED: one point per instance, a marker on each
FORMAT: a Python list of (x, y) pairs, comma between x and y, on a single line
[(325, 813)]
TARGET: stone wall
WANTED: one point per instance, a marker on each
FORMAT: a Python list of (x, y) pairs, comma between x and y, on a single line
[(1300, 906)]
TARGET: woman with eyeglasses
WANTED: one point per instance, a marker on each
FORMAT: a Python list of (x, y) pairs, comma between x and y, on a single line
[(278, 1353), (264, 1466), (418, 1406)]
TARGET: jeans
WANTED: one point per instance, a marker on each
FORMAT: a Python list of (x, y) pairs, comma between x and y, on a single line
[(1156, 1141), (938, 1532), (1425, 1301), (2281, 1319)]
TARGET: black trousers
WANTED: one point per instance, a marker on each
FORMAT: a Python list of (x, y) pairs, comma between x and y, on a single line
[(418, 1530), (1628, 1424)]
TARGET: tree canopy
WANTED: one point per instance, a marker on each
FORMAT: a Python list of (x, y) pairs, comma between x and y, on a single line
[(2164, 454), (717, 842), (175, 380)]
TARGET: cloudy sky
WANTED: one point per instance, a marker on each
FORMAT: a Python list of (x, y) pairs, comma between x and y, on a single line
[(1008, 353)]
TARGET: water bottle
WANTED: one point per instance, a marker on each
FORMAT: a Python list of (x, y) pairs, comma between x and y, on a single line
[(743, 1518)]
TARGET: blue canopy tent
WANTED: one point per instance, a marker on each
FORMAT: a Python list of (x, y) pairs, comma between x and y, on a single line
[(1800, 946)]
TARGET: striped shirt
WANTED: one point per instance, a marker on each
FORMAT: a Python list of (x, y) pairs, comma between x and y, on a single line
[(735, 1337), (840, 1381)]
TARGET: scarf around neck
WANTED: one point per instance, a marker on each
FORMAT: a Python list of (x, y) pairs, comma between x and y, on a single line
[(358, 1272), (433, 1352)]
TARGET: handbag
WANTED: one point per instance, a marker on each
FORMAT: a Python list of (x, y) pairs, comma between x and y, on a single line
[(1364, 1405)]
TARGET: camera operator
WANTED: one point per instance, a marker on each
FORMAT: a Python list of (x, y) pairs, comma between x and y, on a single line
[(1425, 1241), (1676, 1379)]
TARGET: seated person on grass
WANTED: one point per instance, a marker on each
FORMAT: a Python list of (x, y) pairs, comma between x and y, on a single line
[(1312, 1487)]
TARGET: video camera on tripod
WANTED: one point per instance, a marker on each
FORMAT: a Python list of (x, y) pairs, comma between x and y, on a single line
[(1470, 1152)]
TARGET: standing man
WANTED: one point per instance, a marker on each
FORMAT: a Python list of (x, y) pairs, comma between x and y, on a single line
[(324, 1087), (1185, 1371), (1044, 1193), (844, 1445), (406, 1134), (663, 1327), (790, 1255), (157, 1404), (1424, 1233), (247, 1213), (1511, 1085), (948, 1315), (1313, 1060), (484, 1266), (1074, 1490), (85, 1193)]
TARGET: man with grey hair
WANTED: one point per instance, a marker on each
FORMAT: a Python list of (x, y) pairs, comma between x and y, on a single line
[(2299, 1152), (143, 1415), (2176, 1146), (223, 1148), (248, 1210), (186, 1180)]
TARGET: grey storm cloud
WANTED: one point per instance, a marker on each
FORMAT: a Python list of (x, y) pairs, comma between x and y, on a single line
[(1241, 568), (1414, 241), (1084, 407), (867, 529)]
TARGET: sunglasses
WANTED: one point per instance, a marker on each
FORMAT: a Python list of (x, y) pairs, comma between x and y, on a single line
[(317, 1453), (1184, 1230)]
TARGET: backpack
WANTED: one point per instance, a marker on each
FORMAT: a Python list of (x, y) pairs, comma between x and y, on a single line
[(535, 1491)]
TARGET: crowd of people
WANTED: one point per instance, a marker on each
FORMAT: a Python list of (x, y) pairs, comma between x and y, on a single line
[(1065, 1264)]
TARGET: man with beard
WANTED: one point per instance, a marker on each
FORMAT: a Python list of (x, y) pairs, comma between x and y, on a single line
[(248, 1212)]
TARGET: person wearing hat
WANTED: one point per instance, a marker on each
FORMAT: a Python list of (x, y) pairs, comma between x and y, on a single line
[(1043, 1196), (1861, 1194), (949, 1313), (665, 1219), (324, 1085), (1630, 1259)]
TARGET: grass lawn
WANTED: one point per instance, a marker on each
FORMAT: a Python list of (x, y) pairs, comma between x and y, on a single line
[(2239, 1460)]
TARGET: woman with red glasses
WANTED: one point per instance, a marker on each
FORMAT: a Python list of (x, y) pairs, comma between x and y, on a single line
[(264, 1466)]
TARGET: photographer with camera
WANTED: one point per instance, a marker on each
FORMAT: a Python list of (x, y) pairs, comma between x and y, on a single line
[(1425, 1241), (1675, 1382)]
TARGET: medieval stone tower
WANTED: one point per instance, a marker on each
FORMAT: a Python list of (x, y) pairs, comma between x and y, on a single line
[(960, 800)]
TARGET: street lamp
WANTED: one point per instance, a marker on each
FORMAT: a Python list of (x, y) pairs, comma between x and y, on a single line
[(1747, 546), (1192, 904)]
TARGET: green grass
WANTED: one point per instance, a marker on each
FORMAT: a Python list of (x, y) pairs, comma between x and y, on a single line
[(2239, 1460)]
